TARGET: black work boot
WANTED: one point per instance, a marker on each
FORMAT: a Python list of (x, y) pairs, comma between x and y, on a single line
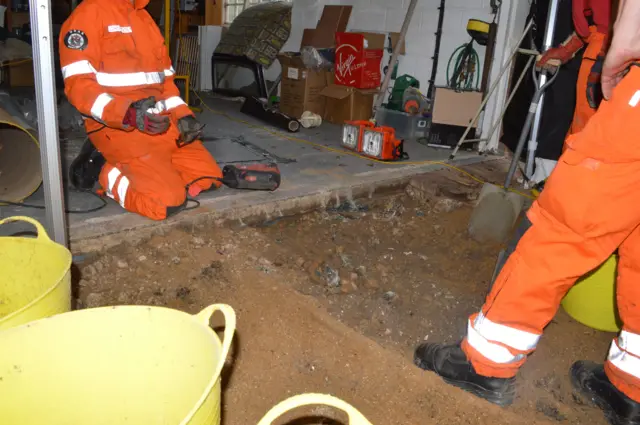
[(85, 168), (590, 379), (451, 364)]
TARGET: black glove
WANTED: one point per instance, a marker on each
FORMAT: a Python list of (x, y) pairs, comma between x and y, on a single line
[(190, 130), (138, 116), (594, 88)]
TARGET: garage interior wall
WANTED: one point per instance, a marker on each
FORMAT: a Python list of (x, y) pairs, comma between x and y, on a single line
[(512, 21), (387, 16)]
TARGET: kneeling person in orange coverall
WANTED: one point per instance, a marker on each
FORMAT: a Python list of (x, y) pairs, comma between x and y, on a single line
[(588, 210), (118, 74)]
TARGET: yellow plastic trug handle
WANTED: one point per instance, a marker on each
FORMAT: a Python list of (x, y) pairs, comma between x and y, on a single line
[(229, 329), (355, 417), (42, 233)]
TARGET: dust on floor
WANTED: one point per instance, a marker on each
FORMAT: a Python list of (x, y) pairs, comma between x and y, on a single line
[(335, 301)]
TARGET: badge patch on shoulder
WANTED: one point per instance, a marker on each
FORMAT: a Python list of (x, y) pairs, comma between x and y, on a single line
[(76, 39)]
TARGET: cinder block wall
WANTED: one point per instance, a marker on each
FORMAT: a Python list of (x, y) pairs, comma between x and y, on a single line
[(388, 15)]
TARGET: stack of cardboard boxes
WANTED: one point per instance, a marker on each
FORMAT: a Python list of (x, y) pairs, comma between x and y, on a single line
[(302, 88), (358, 59), (346, 93), (357, 76)]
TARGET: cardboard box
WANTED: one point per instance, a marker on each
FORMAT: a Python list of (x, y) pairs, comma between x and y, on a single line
[(308, 38), (377, 39), (18, 19), (452, 113), (334, 19), (301, 87), (347, 103), (358, 59), (395, 37), (21, 74)]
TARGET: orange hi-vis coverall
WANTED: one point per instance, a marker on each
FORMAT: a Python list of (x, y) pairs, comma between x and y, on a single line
[(595, 35), (112, 54), (589, 209)]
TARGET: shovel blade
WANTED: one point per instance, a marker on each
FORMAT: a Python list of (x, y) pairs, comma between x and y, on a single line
[(495, 214)]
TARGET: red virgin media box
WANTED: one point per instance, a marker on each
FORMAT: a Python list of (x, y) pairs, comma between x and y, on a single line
[(358, 59)]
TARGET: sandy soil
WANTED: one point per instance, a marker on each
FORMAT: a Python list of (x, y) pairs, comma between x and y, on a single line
[(335, 301)]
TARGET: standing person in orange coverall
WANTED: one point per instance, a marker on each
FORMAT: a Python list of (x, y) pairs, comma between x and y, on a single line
[(588, 209), (118, 74), (591, 22)]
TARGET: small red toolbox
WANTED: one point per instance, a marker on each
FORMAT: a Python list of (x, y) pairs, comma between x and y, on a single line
[(358, 61)]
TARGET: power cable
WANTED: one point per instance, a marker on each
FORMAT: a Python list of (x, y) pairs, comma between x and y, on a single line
[(349, 153)]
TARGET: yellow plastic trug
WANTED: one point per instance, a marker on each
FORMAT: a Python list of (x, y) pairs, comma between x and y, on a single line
[(125, 365), (114, 366), (592, 301), (35, 278), (355, 417)]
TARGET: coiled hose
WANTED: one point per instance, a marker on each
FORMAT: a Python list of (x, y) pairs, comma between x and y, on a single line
[(466, 61)]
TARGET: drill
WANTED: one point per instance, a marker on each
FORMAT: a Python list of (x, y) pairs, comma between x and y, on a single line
[(254, 176)]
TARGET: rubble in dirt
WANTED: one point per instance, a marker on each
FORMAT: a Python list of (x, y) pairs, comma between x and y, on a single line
[(399, 269), (386, 263)]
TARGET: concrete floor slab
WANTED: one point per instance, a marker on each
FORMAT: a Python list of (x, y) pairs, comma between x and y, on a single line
[(315, 171)]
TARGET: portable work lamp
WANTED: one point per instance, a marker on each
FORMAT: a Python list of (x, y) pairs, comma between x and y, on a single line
[(381, 143), (352, 133), (371, 141)]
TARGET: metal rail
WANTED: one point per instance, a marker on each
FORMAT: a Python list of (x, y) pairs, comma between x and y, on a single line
[(45, 82)]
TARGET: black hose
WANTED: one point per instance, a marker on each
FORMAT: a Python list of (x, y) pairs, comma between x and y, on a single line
[(103, 204)]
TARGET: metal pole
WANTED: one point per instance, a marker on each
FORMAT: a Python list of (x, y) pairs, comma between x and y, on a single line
[(436, 54), (43, 69), (394, 56), (494, 85), (514, 89), (167, 24), (535, 103), (549, 32)]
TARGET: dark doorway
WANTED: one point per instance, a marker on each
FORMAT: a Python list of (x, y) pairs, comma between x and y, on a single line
[(560, 98)]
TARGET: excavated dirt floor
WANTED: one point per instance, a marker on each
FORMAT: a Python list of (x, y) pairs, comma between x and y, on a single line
[(335, 302)]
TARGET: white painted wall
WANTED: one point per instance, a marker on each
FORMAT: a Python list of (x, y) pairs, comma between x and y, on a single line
[(388, 15), (512, 20)]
